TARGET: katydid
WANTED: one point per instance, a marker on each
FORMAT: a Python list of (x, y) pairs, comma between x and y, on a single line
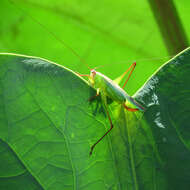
[(107, 88), (104, 86)]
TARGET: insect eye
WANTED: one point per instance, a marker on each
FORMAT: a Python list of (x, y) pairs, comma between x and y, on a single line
[(93, 72)]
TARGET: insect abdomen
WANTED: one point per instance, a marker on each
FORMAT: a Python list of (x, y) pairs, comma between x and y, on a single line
[(114, 91), (111, 89)]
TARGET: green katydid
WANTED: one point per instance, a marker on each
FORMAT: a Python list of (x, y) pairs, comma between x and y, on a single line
[(104, 86), (108, 88)]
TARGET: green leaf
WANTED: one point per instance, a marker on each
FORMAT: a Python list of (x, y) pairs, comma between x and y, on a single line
[(47, 127), (166, 96), (48, 124)]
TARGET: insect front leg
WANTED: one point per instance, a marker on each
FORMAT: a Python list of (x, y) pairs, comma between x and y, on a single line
[(93, 97), (83, 75), (104, 100)]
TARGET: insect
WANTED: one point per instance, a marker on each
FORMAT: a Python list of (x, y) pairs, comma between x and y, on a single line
[(104, 86)]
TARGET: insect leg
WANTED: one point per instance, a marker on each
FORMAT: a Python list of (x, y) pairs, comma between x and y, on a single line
[(93, 97), (118, 80), (111, 124), (83, 75), (130, 109), (132, 67)]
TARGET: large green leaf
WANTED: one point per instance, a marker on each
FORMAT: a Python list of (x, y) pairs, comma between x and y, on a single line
[(166, 96), (47, 127)]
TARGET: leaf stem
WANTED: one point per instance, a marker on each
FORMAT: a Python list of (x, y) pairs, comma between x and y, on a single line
[(170, 25)]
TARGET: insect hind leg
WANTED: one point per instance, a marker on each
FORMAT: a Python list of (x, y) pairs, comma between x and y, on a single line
[(132, 67), (130, 109)]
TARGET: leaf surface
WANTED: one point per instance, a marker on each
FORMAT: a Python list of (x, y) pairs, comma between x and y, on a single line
[(47, 127), (166, 96)]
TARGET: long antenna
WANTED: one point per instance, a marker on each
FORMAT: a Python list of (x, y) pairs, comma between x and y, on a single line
[(145, 59), (71, 49), (51, 33)]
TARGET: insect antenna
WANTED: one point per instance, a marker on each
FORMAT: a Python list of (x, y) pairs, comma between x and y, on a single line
[(98, 67), (51, 33)]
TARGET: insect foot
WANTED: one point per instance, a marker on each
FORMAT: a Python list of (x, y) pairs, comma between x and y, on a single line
[(91, 150)]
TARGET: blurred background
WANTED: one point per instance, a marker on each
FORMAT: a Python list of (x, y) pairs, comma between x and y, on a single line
[(107, 34)]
